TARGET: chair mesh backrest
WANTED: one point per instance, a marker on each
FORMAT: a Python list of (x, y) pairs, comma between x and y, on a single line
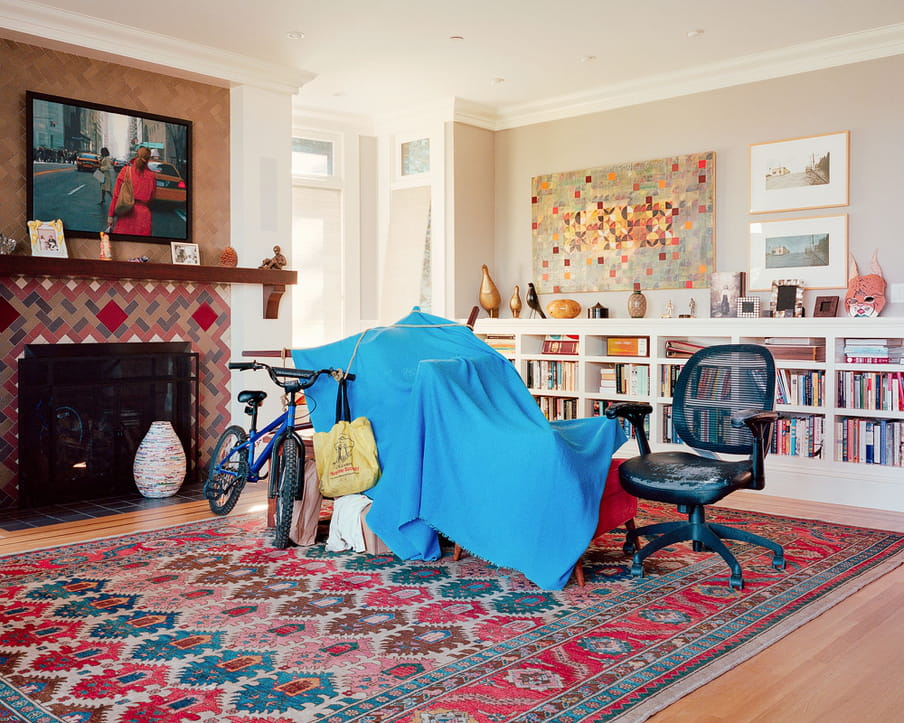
[(715, 383)]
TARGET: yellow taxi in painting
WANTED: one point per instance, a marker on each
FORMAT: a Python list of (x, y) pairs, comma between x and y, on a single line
[(87, 161), (170, 186)]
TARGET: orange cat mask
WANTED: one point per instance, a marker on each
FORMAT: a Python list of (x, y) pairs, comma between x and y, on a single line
[(865, 294)]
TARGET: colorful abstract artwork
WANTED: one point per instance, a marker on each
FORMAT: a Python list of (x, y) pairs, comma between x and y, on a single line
[(606, 229)]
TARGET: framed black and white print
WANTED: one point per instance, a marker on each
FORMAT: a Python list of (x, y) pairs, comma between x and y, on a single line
[(748, 307)]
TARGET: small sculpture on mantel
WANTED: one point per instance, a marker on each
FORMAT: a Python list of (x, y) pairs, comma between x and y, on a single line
[(515, 303), (229, 258), (277, 262), (489, 294)]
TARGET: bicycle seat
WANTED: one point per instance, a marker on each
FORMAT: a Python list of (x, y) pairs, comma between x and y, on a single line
[(252, 397)]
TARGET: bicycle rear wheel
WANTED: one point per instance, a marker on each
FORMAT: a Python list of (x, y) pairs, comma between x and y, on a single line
[(228, 471), (287, 489)]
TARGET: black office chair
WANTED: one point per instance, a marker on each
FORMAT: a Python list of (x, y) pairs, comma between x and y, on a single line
[(722, 403)]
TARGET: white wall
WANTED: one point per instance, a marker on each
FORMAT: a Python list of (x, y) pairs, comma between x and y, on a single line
[(261, 215), (863, 98)]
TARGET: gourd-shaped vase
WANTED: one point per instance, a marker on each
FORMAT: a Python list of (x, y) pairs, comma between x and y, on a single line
[(515, 303), (159, 467), (489, 294), (637, 303)]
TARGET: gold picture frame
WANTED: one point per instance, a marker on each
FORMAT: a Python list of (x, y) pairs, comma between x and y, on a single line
[(47, 239)]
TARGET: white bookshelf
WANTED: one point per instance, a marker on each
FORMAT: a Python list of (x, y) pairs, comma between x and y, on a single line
[(823, 478)]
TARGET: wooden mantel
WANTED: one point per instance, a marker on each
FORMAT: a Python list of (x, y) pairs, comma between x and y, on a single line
[(272, 282)]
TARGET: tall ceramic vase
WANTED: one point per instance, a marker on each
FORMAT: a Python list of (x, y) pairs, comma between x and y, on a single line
[(159, 467)]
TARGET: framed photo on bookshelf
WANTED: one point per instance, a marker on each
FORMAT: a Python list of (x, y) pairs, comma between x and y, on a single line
[(748, 307), (725, 288), (787, 298), (825, 306), (813, 249), (800, 173)]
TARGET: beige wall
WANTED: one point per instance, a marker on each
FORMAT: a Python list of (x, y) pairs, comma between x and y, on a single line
[(864, 98), (28, 67), (473, 215)]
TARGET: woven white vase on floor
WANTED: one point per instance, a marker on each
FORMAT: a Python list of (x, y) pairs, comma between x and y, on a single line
[(159, 468)]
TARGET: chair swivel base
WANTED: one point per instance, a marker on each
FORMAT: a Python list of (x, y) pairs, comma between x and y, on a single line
[(704, 535)]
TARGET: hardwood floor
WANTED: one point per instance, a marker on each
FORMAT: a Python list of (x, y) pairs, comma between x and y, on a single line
[(845, 665)]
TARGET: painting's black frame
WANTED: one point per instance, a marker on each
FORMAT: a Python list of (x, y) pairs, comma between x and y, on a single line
[(71, 231)]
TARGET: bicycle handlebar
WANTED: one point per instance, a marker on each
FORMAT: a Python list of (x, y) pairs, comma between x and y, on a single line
[(307, 377)]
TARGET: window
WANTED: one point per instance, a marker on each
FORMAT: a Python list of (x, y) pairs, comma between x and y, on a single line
[(416, 157), (312, 157)]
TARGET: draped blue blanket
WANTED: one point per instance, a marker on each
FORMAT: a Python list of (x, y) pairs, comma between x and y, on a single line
[(465, 450)]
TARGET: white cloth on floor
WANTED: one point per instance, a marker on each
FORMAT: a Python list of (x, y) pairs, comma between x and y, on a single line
[(345, 526)]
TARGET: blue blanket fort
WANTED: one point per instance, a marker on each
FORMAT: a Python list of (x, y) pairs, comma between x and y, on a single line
[(464, 449)]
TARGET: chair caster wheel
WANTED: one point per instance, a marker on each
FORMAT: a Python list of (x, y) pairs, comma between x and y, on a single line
[(736, 581), (778, 562), (637, 569)]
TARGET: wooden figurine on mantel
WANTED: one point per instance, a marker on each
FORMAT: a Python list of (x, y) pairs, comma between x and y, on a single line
[(277, 262)]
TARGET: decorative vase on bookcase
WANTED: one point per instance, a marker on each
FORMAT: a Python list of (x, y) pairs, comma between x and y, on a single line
[(159, 467), (637, 303)]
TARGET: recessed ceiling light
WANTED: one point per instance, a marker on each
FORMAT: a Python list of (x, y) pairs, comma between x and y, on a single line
[(295, 35), (497, 81), (456, 38), (588, 58), (694, 33)]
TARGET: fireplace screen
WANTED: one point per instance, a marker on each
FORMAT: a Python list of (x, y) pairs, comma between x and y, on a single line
[(84, 409)]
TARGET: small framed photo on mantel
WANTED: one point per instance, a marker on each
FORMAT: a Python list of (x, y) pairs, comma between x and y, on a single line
[(47, 239), (185, 253)]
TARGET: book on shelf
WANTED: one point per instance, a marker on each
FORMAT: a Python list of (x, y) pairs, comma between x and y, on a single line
[(503, 343), (794, 340), (680, 349), (560, 344), (799, 352), (627, 346)]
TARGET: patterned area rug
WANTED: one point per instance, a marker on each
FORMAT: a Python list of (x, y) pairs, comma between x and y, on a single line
[(208, 622)]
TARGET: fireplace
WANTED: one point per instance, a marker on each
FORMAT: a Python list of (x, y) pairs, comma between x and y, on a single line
[(84, 409)]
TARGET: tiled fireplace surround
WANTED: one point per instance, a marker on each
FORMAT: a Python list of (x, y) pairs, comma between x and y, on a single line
[(68, 310)]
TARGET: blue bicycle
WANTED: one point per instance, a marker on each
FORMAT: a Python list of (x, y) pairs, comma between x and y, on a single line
[(234, 460)]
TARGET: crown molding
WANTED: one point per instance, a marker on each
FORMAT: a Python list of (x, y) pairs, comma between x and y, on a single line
[(132, 46), (831, 52)]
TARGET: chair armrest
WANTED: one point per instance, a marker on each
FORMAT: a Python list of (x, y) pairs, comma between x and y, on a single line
[(635, 413), (759, 422), (753, 416)]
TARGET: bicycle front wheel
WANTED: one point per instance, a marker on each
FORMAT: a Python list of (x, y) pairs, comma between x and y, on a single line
[(287, 489), (228, 471)]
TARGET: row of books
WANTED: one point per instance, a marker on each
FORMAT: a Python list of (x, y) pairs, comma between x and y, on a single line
[(802, 387), (560, 344), (668, 375), (871, 390), (503, 343), (870, 441), (796, 348), (559, 375), (632, 379), (558, 407), (599, 407), (873, 351), (798, 436)]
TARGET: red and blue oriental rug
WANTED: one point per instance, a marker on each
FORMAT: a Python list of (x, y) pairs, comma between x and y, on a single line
[(207, 622)]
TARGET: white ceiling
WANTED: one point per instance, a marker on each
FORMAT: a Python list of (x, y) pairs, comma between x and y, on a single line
[(517, 58)]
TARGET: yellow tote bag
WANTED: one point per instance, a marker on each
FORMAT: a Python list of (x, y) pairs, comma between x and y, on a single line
[(346, 456)]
